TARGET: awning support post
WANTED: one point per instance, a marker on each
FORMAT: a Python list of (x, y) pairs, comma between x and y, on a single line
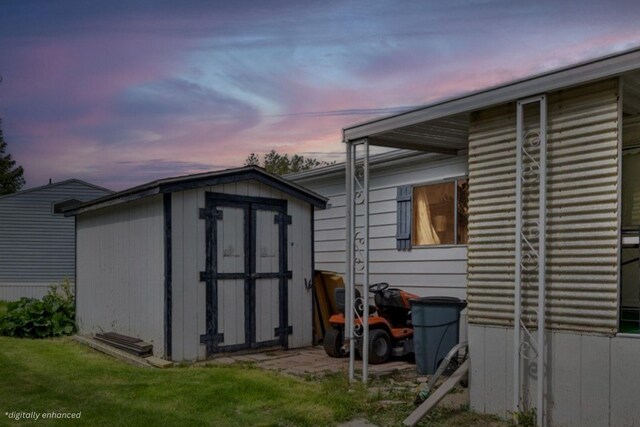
[(357, 257), (531, 169)]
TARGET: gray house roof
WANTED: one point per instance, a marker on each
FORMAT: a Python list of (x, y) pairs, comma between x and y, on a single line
[(169, 185), (56, 184), (37, 245)]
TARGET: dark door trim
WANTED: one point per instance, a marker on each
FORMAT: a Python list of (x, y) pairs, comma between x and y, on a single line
[(213, 340)]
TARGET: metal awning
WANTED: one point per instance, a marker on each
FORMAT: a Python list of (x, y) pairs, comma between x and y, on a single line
[(441, 127)]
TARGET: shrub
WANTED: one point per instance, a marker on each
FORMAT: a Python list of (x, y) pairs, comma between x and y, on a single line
[(51, 316)]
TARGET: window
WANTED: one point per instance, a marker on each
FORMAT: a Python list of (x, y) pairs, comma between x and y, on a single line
[(439, 213)]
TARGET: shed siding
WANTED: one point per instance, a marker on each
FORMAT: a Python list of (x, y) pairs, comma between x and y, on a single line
[(436, 270), (37, 247), (120, 283), (189, 258), (582, 211)]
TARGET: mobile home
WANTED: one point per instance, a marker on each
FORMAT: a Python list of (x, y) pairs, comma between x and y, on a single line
[(551, 256)]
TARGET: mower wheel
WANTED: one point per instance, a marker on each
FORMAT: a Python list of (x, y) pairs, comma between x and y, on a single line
[(333, 343), (379, 346)]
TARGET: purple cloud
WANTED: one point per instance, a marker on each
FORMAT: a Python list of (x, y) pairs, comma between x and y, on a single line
[(122, 93)]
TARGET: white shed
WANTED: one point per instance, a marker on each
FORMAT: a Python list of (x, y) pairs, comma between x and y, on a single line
[(199, 264)]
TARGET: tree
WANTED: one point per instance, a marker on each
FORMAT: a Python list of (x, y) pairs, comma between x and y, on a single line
[(11, 177), (282, 164)]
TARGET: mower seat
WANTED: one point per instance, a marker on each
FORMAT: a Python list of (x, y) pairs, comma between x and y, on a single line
[(340, 295)]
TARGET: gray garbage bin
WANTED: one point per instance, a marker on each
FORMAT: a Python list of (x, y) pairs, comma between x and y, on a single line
[(436, 330)]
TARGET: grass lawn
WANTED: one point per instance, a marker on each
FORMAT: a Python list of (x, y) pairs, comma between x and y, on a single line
[(63, 376)]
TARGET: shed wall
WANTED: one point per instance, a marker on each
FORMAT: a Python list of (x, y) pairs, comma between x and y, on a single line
[(120, 283), (37, 247), (435, 270), (189, 258), (582, 211)]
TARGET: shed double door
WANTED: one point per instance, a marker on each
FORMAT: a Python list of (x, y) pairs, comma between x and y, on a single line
[(247, 274)]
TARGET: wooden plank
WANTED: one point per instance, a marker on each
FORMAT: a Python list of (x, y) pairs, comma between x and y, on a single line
[(179, 266), (200, 263), (305, 306), (156, 362), (191, 277), (438, 395)]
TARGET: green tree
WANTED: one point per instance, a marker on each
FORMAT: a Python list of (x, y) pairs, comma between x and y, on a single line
[(11, 177), (282, 164)]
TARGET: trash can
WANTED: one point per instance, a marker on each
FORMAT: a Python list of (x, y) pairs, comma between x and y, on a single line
[(436, 330)]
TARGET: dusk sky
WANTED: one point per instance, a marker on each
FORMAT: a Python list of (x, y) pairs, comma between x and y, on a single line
[(123, 92)]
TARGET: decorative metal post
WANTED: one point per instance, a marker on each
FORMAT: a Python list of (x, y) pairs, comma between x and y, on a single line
[(349, 291), (358, 251), (530, 256)]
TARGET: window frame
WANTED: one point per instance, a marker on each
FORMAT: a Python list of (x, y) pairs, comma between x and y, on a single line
[(454, 180)]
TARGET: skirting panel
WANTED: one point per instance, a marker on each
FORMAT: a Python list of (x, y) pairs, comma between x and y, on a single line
[(592, 380)]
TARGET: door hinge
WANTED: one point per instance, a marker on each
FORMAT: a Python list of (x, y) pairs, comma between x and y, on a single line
[(282, 219), (288, 330), (215, 213)]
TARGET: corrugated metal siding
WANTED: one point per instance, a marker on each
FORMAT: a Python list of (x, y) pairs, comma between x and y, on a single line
[(36, 245), (582, 211)]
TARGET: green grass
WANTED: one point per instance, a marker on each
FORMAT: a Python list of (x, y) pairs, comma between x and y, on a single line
[(63, 376), (60, 375)]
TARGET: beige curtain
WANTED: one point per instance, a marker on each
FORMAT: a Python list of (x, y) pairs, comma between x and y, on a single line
[(425, 233)]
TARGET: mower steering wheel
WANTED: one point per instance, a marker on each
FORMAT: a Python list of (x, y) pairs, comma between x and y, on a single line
[(378, 287)]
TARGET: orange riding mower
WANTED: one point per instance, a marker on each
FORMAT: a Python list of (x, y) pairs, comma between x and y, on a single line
[(390, 329)]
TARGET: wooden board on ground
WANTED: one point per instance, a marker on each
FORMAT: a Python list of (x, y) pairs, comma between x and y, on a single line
[(438, 395)]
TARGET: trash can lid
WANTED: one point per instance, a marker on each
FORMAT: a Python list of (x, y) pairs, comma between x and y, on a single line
[(439, 301)]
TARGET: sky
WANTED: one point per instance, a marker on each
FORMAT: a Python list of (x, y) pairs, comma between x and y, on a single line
[(119, 93)]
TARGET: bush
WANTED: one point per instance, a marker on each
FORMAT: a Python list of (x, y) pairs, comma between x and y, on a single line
[(51, 316)]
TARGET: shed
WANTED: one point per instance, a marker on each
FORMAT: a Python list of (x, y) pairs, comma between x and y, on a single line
[(552, 254), (37, 242), (200, 264)]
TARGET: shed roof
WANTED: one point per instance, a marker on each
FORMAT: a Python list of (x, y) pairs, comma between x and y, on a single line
[(187, 182), (442, 127), (55, 184)]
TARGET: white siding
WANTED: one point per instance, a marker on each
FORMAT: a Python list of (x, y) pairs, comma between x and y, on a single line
[(591, 380), (189, 258), (120, 283), (436, 270), (582, 211), (37, 247)]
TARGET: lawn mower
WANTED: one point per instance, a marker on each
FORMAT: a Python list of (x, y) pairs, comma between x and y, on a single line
[(390, 329)]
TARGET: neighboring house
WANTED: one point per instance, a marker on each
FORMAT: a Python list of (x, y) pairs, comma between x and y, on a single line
[(37, 242), (553, 234), (201, 264), (432, 263)]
